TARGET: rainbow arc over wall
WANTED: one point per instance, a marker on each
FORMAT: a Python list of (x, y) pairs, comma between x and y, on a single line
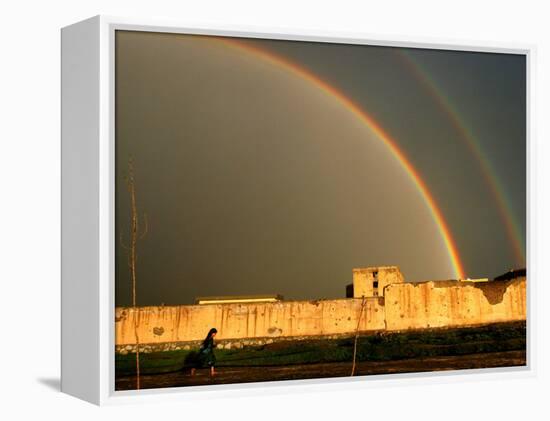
[(488, 172), (376, 128)]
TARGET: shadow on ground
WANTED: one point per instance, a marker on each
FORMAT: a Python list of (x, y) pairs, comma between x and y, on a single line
[(53, 383)]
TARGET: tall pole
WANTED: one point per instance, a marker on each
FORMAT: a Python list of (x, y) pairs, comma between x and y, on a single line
[(363, 301), (132, 258)]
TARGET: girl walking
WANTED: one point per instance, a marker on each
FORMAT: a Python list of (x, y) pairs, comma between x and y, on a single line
[(206, 357)]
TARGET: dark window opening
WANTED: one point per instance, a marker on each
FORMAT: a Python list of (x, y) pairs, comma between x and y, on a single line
[(375, 288)]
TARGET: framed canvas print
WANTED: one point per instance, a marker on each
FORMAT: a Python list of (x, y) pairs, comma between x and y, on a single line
[(243, 209)]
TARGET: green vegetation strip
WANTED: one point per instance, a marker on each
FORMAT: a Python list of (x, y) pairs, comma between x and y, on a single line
[(376, 347)]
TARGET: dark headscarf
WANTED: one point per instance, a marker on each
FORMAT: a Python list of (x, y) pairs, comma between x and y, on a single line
[(209, 336)]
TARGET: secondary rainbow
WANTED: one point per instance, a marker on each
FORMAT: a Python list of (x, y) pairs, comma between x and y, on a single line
[(376, 129), (497, 190)]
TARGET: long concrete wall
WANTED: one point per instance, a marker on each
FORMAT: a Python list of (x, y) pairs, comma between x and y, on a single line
[(285, 318), (450, 303), (404, 306)]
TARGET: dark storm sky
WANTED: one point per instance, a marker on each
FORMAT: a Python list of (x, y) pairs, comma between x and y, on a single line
[(254, 182)]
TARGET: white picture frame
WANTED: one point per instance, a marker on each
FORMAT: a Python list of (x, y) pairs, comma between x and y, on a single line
[(88, 212)]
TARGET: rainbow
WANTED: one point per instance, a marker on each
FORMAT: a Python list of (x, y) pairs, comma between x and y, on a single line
[(369, 121), (487, 170)]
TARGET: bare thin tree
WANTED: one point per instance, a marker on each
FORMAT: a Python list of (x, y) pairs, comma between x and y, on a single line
[(363, 302), (131, 248)]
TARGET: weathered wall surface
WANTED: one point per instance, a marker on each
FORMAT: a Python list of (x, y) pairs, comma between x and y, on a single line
[(404, 306), (451, 303), (285, 318)]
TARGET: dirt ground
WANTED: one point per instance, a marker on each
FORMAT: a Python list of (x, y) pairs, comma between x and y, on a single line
[(226, 375)]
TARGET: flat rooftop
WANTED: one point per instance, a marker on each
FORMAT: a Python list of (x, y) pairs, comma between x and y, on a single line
[(228, 299)]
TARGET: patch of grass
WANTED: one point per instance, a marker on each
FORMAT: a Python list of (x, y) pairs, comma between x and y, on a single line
[(373, 347)]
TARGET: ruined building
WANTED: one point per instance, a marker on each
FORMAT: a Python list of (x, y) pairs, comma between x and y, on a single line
[(370, 282)]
